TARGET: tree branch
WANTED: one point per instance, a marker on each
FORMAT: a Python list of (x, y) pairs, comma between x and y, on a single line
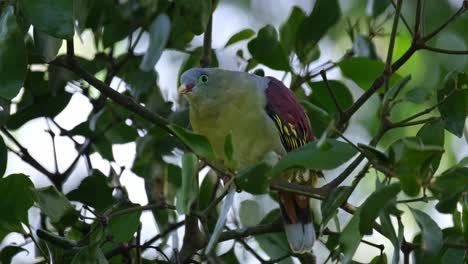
[(445, 51)]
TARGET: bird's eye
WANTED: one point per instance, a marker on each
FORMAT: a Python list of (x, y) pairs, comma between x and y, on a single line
[(203, 78)]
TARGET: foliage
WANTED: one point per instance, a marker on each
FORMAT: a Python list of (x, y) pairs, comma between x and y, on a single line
[(413, 105)]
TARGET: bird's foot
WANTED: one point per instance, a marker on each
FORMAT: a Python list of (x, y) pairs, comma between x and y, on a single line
[(226, 179)]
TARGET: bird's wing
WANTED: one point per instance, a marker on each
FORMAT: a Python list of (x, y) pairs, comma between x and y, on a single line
[(288, 115)]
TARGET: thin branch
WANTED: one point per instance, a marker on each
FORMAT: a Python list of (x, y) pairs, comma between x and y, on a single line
[(138, 246), (141, 208), (445, 51), (205, 60), (54, 148), (417, 21), (25, 156), (251, 250), (452, 18), (408, 27), (414, 123), (420, 199), (330, 91), (388, 63)]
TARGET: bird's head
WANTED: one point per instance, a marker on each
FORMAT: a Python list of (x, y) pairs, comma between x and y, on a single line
[(213, 84)]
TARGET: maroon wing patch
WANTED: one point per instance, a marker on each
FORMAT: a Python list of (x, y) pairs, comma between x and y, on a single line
[(289, 116)]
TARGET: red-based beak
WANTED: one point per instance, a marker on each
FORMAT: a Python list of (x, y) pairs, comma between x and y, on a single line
[(185, 88)]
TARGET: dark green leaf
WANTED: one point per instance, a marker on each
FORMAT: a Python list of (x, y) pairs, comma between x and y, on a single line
[(288, 31), (414, 163), (374, 204), (325, 14), (321, 119), (350, 237), (249, 213), (274, 244), (266, 49), (464, 217), (198, 143), (335, 199), (188, 191), (103, 146), (196, 13), (321, 97), (140, 83), (239, 36), (55, 205), (3, 157), (54, 17), (123, 227), (8, 252), (90, 255), (16, 200), (364, 71), (13, 56), (229, 257), (364, 47), (121, 133), (448, 187), (159, 33), (4, 111), (207, 188), (55, 239), (393, 92), (374, 154), (81, 10), (116, 29), (376, 7), (431, 234), (46, 45), (311, 156), (255, 179), (93, 191), (452, 104)]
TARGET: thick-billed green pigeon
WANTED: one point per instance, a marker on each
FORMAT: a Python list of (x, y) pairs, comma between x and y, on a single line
[(263, 116)]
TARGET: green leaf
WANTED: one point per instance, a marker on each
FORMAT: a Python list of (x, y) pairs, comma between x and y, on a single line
[(198, 143), (54, 17), (374, 154), (159, 33), (89, 255), (321, 118), (464, 217), (206, 189), (188, 191), (288, 31), (8, 252), (274, 244), (140, 83), (81, 10), (16, 200), (350, 237), (255, 179), (266, 49), (453, 104), (413, 164), (249, 213), (432, 238), (56, 206), (3, 157), (325, 14), (55, 239), (93, 191), (311, 156), (121, 133), (4, 111), (364, 71), (376, 7), (374, 204), (123, 227), (13, 56), (46, 45), (334, 199), (229, 257), (196, 14), (321, 97), (239, 36), (393, 92), (448, 188), (364, 47)]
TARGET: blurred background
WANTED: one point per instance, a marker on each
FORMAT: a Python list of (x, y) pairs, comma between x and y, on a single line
[(427, 70)]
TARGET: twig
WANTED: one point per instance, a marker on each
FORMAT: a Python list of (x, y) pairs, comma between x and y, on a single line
[(138, 246), (205, 60), (141, 208), (388, 64), (54, 149), (330, 91), (414, 123), (251, 250), (403, 19), (417, 21), (452, 18), (445, 51)]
